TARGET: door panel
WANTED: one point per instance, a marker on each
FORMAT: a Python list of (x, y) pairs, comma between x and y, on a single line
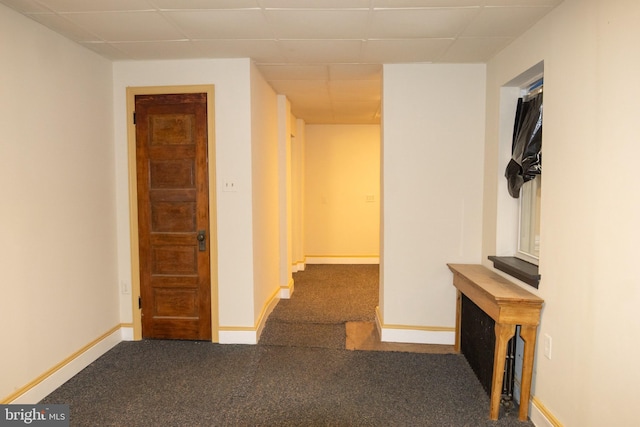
[(172, 176)]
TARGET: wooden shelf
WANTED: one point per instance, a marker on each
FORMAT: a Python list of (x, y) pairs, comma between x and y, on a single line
[(517, 268)]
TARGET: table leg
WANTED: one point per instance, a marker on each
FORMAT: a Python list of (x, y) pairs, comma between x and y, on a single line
[(456, 346), (528, 334), (503, 335)]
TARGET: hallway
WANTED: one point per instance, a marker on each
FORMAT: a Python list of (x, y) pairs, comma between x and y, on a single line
[(333, 306)]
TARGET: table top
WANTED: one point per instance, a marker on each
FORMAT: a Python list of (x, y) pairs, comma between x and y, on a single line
[(498, 288)]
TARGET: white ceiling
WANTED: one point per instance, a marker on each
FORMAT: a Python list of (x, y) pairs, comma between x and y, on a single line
[(325, 55)]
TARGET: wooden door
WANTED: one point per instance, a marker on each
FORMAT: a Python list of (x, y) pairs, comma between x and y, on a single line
[(173, 216)]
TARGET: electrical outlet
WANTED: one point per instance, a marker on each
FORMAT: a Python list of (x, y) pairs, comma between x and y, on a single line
[(547, 346), (229, 185)]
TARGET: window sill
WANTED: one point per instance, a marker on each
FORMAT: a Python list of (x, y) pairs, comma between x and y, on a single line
[(517, 268)]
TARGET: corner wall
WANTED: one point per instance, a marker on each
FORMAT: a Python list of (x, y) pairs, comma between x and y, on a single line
[(58, 261), (433, 129), (266, 211), (297, 199)]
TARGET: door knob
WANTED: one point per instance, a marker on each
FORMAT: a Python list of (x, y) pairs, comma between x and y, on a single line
[(202, 237)]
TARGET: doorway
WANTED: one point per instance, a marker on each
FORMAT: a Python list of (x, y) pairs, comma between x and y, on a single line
[(172, 212)]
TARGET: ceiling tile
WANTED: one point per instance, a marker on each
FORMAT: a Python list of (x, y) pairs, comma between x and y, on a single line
[(404, 51), (181, 49), (26, 6), (345, 106), (504, 21), (318, 24), (64, 27), (98, 6), (224, 23), (131, 26), (205, 4), (474, 49), (316, 116), (318, 112), (356, 72), (370, 108), (551, 3), (315, 88), (311, 104), (420, 23), (107, 50), (363, 90), (355, 112), (294, 72), (400, 4), (258, 50), (315, 4), (322, 51)]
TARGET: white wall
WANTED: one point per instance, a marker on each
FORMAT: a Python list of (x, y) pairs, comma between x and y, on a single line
[(297, 186), (342, 168), (59, 282), (233, 145), (265, 184), (590, 205), (433, 129), (286, 122)]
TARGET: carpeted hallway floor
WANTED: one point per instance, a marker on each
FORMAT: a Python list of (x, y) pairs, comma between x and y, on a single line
[(325, 298), (303, 377), (333, 306)]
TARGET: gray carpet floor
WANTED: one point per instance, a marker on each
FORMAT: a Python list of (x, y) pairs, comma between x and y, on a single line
[(331, 294), (186, 383), (325, 298)]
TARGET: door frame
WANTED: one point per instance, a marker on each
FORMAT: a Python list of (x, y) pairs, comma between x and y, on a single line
[(133, 198)]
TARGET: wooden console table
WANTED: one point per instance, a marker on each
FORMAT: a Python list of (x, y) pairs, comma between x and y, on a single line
[(508, 305)]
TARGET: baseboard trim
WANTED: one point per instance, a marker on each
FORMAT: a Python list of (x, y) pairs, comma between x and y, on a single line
[(237, 335), (414, 334), (365, 259), (540, 416), (127, 332), (298, 266), (287, 291), (62, 372), (248, 334)]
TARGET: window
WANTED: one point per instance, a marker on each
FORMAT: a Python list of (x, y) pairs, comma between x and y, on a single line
[(529, 224), (523, 173), (527, 152)]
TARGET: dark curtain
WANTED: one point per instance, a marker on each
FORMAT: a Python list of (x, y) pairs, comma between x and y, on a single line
[(526, 147)]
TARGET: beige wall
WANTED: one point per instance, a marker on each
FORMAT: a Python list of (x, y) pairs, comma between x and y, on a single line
[(286, 124), (59, 285), (265, 189), (341, 170), (433, 130), (590, 205), (297, 198)]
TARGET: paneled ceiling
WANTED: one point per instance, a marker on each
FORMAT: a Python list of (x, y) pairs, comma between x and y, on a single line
[(325, 55)]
